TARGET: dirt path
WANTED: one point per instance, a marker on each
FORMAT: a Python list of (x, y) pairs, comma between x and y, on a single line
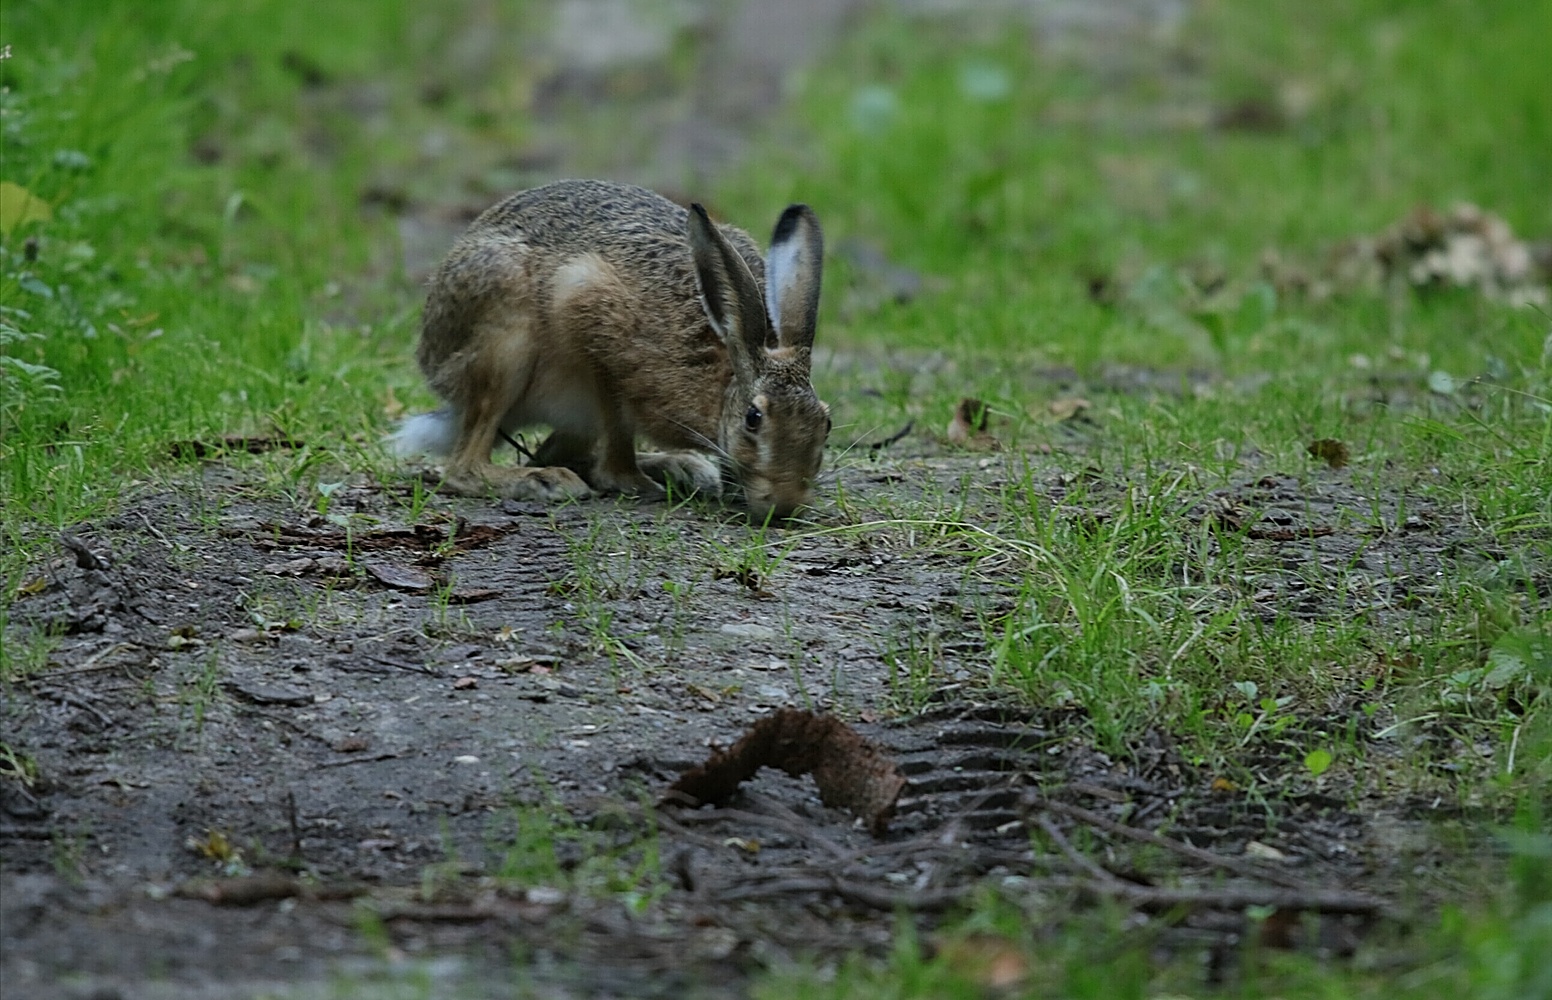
[(423, 710), (276, 746)]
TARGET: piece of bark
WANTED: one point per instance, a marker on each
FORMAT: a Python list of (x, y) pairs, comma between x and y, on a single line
[(851, 773)]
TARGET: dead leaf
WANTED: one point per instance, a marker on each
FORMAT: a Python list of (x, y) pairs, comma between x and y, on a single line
[(1263, 852), (701, 691), (968, 427), (1280, 929), (1330, 451), (31, 587), (993, 962), (399, 577), (851, 773), (465, 683), (516, 664), (969, 419), (746, 577), (214, 845), (1068, 408)]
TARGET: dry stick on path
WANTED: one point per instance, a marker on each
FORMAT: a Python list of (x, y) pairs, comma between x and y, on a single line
[(1234, 865), (1184, 850), (74, 701), (802, 826), (1074, 855), (672, 824)]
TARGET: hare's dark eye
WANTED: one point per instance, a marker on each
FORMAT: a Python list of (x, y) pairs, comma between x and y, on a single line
[(752, 419)]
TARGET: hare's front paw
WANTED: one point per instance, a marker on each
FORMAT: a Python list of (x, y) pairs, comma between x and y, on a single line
[(685, 471), (520, 483), (629, 482)]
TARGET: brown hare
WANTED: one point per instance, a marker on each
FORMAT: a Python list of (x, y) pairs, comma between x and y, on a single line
[(606, 311)]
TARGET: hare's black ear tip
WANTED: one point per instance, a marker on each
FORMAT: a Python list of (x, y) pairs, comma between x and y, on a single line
[(790, 220), (700, 210)]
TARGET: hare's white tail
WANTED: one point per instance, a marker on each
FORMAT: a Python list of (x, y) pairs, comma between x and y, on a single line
[(431, 433)]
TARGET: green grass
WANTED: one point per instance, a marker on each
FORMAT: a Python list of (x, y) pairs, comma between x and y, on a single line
[(210, 265)]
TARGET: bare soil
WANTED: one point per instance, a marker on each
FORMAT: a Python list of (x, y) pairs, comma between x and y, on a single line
[(361, 709)]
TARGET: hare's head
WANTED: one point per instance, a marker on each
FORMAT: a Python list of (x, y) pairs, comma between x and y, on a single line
[(772, 434)]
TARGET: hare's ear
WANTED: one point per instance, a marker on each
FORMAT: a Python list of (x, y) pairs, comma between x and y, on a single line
[(728, 294), (792, 272)]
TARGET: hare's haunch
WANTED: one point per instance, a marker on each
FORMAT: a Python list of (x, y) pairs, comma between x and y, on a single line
[(606, 311)]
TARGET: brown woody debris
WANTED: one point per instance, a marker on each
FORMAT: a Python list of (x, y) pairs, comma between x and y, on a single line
[(851, 773)]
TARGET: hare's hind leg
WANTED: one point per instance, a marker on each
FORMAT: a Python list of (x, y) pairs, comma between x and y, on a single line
[(492, 381), (611, 469), (616, 470), (685, 471), (568, 450)]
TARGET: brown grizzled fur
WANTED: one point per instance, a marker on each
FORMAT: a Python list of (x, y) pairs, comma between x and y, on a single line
[(606, 311)]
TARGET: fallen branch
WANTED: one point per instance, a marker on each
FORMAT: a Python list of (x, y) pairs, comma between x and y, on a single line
[(74, 701), (1074, 855), (1234, 865)]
